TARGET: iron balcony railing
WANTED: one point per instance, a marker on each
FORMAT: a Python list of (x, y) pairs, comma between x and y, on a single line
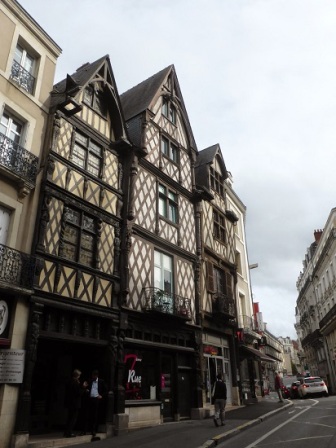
[(17, 159), (224, 305), (16, 268), (247, 322), (158, 300), (22, 77)]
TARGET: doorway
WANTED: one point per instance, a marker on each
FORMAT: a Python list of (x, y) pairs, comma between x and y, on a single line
[(54, 365), (184, 393)]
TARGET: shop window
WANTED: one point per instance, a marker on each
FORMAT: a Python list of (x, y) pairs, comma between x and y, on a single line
[(141, 375), (79, 237)]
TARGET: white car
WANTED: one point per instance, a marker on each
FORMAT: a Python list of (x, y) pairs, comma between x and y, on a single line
[(312, 385)]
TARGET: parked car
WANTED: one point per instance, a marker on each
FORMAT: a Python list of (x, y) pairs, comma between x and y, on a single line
[(312, 385), (289, 388), (295, 389)]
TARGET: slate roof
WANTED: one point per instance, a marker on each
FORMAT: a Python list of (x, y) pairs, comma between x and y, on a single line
[(205, 158), (81, 76), (137, 99), (206, 155)]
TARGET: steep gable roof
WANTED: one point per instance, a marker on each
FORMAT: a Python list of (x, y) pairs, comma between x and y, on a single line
[(73, 83), (140, 97), (205, 158), (99, 71)]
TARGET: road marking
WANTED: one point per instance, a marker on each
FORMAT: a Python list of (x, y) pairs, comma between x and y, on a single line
[(254, 444)]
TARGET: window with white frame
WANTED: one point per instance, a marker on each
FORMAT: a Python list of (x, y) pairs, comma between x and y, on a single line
[(11, 127), (5, 216), (23, 68), (87, 154), (169, 149), (168, 206), (163, 272), (79, 238)]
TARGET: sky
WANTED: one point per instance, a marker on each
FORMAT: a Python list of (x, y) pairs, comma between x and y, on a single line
[(259, 78)]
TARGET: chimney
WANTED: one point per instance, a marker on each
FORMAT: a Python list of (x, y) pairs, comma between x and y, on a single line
[(317, 235)]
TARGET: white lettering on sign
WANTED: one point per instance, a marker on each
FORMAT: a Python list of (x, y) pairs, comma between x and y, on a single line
[(132, 378)]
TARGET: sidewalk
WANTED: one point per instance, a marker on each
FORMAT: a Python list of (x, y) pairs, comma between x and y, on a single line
[(186, 434)]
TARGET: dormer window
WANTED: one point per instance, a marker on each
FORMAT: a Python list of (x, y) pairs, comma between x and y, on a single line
[(95, 98), (216, 176), (169, 111), (23, 69)]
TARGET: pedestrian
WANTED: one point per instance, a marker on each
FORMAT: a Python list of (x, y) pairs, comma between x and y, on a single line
[(95, 396), (277, 386), (219, 397), (73, 396)]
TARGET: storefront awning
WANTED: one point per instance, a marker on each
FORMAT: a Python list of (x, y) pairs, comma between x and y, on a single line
[(257, 354)]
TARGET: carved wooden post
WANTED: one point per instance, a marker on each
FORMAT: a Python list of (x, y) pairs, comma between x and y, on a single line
[(111, 356), (23, 409)]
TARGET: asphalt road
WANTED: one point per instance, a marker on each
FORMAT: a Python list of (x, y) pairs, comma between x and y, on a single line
[(310, 423)]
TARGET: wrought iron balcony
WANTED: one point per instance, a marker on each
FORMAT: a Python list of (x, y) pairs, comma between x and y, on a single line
[(224, 305), (16, 268), (22, 77), (167, 303), (17, 159), (247, 322)]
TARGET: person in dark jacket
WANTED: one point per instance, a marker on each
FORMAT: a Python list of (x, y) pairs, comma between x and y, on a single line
[(73, 398), (219, 396), (95, 397)]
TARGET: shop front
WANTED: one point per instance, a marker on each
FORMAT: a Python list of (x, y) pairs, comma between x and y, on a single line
[(216, 361), (159, 381)]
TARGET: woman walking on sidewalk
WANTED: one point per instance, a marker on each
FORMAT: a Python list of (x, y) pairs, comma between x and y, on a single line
[(219, 396)]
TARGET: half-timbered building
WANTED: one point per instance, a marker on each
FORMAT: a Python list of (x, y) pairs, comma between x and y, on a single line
[(162, 371), (218, 275), (74, 320)]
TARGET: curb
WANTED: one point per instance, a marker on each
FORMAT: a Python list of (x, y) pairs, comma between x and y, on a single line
[(226, 435)]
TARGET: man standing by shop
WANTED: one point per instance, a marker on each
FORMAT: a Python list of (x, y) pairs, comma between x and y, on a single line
[(96, 397), (219, 397)]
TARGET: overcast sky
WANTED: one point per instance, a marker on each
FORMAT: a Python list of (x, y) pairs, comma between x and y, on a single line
[(259, 78)]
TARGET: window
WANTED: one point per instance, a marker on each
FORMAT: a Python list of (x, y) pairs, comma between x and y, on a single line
[(87, 154), (163, 272), (169, 111), (222, 282), (5, 216), (23, 69), (11, 128), (219, 226), (169, 149), (79, 240), (168, 207), (95, 99), (216, 181)]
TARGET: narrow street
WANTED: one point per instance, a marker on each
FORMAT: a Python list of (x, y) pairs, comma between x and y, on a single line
[(309, 423)]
